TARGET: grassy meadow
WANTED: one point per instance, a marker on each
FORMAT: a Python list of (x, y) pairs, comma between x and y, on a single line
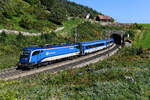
[(143, 38), (124, 76)]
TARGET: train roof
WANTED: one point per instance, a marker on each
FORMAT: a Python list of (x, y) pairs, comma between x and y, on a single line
[(95, 41), (48, 46)]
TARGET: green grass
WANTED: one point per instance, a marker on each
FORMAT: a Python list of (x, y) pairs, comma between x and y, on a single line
[(41, 25), (146, 25), (18, 10), (146, 41), (8, 61), (143, 38), (103, 80), (69, 25)]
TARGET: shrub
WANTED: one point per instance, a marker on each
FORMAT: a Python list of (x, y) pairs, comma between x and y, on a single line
[(26, 22), (48, 3), (32, 1), (48, 37), (132, 51), (137, 26), (58, 15), (20, 37), (41, 14), (131, 33), (3, 37)]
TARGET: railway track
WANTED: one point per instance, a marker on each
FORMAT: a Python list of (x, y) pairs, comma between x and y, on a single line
[(13, 73)]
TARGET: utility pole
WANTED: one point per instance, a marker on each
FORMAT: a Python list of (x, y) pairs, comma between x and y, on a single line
[(76, 32), (76, 35)]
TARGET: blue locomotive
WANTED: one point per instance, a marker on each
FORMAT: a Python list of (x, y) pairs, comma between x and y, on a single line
[(36, 55)]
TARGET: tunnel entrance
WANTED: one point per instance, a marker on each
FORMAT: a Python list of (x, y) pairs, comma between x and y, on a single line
[(117, 39)]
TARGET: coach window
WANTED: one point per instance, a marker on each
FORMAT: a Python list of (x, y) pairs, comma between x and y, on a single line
[(108, 42), (96, 45), (35, 53), (78, 47)]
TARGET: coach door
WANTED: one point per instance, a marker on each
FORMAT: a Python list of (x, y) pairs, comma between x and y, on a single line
[(81, 49)]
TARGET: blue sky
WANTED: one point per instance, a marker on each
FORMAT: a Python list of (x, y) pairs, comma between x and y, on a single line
[(126, 11)]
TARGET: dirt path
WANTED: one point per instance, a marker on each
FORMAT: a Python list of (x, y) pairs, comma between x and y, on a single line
[(26, 33)]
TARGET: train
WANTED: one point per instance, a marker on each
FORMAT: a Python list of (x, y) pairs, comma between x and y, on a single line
[(37, 55)]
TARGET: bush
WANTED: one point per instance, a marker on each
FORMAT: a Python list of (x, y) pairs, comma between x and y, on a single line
[(131, 34), (20, 37), (3, 37), (137, 26), (41, 14), (32, 1), (26, 22), (58, 15), (132, 51), (48, 3), (48, 37)]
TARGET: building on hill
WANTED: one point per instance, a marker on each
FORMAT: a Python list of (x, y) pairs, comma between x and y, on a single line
[(103, 18)]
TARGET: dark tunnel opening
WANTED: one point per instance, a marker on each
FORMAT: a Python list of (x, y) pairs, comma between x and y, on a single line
[(117, 38)]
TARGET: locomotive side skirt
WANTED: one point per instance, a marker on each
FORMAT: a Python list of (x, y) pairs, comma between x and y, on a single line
[(60, 56)]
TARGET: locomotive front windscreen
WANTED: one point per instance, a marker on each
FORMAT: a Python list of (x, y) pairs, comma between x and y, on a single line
[(25, 54)]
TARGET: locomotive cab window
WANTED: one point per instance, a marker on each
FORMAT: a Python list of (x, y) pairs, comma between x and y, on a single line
[(108, 42), (35, 53), (24, 54)]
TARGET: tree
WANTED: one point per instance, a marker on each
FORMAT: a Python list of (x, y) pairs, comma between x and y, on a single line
[(32, 1), (7, 8), (3, 36), (45, 37), (19, 37), (48, 3), (48, 36), (58, 15), (26, 22)]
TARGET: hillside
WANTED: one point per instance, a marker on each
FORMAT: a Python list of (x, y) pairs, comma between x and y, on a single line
[(39, 15), (85, 32), (124, 76), (143, 38)]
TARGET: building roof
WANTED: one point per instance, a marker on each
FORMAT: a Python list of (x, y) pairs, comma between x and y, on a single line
[(102, 17)]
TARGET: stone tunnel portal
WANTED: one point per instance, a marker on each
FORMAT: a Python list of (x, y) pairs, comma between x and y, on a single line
[(117, 38)]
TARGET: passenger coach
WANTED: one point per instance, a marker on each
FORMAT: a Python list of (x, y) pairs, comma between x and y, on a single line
[(93, 46)]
